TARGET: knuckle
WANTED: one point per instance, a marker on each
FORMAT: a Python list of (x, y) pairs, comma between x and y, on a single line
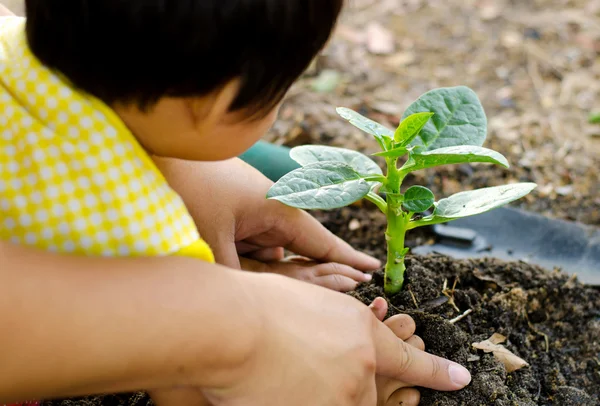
[(335, 268), (338, 280), (405, 359), (324, 269), (356, 383), (436, 367), (369, 364), (352, 390), (418, 342)]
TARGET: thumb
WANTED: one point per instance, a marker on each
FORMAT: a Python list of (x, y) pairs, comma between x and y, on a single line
[(223, 249), (401, 361)]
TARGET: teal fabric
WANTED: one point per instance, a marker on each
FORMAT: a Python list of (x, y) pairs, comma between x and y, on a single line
[(272, 160)]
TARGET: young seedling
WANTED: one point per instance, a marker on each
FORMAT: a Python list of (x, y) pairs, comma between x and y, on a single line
[(444, 126)]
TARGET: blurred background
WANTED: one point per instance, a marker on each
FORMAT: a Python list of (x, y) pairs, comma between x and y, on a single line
[(534, 63)]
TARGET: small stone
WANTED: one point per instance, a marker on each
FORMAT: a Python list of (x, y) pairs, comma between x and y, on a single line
[(511, 39), (564, 190), (401, 59), (354, 225), (380, 40)]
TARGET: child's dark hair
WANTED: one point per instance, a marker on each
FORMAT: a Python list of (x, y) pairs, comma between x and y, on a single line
[(137, 51)]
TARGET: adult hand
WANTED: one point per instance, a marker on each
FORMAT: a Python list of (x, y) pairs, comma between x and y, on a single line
[(176, 322), (325, 349), (227, 201)]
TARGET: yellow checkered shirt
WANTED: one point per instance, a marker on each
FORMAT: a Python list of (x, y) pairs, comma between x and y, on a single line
[(73, 178)]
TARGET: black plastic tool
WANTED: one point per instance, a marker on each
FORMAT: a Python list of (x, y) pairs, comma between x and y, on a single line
[(513, 234)]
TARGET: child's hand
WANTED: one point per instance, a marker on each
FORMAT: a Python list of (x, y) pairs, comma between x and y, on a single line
[(328, 275), (227, 201), (392, 392)]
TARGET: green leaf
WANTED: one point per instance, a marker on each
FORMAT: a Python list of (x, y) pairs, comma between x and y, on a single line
[(310, 154), (393, 153), (322, 185), (459, 118), (594, 118), (453, 155), (418, 199), (410, 127), (478, 201), (367, 125)]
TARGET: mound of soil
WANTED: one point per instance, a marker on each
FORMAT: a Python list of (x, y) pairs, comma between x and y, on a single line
[(550, 320)]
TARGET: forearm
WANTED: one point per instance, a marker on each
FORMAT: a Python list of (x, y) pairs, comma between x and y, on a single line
[(73, 326)]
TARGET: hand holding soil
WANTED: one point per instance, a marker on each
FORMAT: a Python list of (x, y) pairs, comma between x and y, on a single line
[(389, 391), (332, 365)]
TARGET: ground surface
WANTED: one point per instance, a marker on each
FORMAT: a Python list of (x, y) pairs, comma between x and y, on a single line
[(519, 301)]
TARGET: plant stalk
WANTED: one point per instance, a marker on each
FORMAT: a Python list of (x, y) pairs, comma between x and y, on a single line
[(396, 230), (394, 267)]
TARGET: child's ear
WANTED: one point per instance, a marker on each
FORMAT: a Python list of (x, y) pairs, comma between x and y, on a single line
[(211, 109)]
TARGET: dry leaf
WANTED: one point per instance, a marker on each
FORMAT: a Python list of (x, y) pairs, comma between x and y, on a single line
[(401, 59), (511, 361), (380, 40)]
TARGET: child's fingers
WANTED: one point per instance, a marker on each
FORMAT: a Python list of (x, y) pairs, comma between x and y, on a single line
[(402, 325), (379, 306), (333, 268), (336, 282), (416, 342), (267, 254), (404, 397)]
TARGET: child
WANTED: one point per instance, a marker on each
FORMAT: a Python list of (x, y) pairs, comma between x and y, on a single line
[(78, 128), (90, 90)]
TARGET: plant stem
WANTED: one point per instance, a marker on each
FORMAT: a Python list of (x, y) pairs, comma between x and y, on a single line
[(394, 268), (396, 229)]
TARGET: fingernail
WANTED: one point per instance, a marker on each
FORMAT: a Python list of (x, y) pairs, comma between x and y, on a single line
[(368, 277), (459, 375)]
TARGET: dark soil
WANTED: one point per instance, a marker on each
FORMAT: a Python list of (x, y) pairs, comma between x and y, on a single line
[(127, 399), (522, 302), (530, 306)]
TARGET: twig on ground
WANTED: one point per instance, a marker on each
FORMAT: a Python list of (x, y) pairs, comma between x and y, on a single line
[(449, 293), (462, 316), (413, 297), (535, 330)]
